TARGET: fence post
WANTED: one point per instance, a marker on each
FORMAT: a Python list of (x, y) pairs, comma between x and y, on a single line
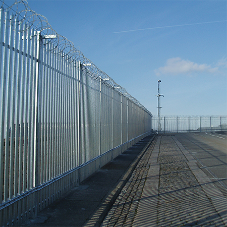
[(37, 123), (121, 121), (164, 124), (210, 124), (78, 118), (220, 124), (2, 109), (100, 111), (177, 124), (112, 144), (127, 120), (151, 123)]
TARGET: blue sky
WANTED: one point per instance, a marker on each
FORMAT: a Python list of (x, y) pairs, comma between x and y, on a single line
[(139, 42)]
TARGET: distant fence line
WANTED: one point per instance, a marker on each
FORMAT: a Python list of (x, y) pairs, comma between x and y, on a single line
[(189, 123), (61, 119)]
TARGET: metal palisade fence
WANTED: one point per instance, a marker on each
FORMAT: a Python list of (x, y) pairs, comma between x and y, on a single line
[(61, 118), (166, 124)]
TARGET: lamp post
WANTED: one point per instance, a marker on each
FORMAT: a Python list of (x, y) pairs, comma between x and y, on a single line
[(159, 107)]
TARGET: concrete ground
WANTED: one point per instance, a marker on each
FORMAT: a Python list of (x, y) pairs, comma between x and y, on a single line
[(210, 152), (169, 187), (174, 180)]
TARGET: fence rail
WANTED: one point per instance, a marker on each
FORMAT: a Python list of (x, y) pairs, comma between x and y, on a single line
[(61, 118), (177, 124)]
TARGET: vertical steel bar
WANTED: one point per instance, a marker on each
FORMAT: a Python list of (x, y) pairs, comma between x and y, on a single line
[(71, 112), (12, 107), (211, 123), (189, 124), (70, 81), (54, 128), (53, 150), (7, 107), (66, 115), (74, 104), (25, 117), (2, 104), (61, 113), (21, 108), (37, 124), (47, 164), (164, 125), (41, 72), (112, 122), (17, 92), (49, 113), (3, 36), (50, 89), (56, 115), (220, 123), (78, 113), (121, 119), (75, 94), (58, 104), (127, 120), (100, 115), (28, 110), (44, 106), (177, 124), (32, 104)]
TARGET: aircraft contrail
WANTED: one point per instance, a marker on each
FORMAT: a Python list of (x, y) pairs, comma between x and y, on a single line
[(171, 26)]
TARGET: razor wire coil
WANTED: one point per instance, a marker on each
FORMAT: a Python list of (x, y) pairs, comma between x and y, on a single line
[(24, 14)]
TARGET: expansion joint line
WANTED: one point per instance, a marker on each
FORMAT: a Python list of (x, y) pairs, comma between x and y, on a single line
[(201, 164)]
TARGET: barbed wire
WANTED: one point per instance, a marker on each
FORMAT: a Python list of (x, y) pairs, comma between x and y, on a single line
[(24, 14)]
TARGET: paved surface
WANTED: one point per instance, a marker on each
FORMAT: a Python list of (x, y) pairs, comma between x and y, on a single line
[(175, 180), (172, 191), (210, 152)]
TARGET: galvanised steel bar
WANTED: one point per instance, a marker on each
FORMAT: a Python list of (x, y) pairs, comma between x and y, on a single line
[(2, 104), (17, 101), (12, 108), (7, 107)]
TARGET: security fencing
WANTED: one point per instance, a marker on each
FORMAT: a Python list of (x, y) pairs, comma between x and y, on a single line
[(166, 124), (61, 118)]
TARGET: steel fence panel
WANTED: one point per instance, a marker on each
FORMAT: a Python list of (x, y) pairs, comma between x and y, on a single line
[(57, 116), (190, 123)]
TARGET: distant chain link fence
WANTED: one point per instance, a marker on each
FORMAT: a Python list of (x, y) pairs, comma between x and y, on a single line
[(177, 124), (61, 118)]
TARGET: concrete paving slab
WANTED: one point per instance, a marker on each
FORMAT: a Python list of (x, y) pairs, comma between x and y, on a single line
[(176, 192)]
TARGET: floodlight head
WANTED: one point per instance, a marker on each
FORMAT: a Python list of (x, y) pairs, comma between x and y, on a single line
[(87, 64), (159, 81)]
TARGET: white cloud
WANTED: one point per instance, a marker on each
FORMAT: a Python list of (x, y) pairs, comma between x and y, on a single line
[(177, 65), (222, 63)]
